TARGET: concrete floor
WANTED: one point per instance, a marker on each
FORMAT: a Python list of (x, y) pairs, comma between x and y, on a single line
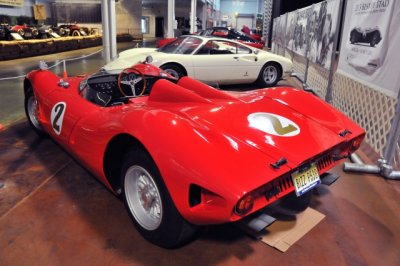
[(53, 212)]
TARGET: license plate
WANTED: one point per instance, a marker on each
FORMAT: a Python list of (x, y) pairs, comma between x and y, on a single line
[(306, 180)]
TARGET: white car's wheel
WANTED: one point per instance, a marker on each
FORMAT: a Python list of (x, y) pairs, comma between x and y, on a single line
[(174, 70), (149, 203), (270, 75)]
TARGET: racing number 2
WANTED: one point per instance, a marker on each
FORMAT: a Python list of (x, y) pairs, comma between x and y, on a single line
[(57, 117)]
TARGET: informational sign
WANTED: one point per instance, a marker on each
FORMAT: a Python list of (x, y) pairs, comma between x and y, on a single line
[(370, 42), (55, 35), (12, 2), (16, 36), (39, 11), (321, 28)]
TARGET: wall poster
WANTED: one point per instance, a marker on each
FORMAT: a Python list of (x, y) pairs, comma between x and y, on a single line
[(274, 39), (322, 30), (300, 32), (280, 30), (290, 29), (370, 42)]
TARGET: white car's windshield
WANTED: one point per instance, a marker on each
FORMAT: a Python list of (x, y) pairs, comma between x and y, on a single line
[(182, 45)]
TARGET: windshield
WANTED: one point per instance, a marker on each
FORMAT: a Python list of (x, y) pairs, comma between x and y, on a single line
[(182, 45)]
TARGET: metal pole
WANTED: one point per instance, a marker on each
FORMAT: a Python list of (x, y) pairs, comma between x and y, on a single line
[(394, 134), (106, 31), (193, 16), (171, 18), (329, 89), (112, 29)]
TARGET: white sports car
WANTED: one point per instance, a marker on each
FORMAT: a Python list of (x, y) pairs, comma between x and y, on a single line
[(210, 60)]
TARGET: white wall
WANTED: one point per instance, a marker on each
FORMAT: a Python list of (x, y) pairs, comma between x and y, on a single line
[(128, 16), (230, 8)]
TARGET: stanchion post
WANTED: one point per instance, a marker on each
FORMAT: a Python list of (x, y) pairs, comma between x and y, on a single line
[(394, 134)]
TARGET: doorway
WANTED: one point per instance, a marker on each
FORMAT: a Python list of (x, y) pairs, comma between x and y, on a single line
[(160, 27)]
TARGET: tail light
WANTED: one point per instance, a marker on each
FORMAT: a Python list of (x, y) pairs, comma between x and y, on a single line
[(245, 204), (356, 143)]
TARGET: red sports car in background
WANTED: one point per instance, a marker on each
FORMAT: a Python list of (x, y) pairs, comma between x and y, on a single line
[(183, 154), (223, 32)]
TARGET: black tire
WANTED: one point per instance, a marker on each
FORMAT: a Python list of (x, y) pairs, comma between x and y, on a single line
[(166, 228), (269, 75), (352, 38), (31, 112), (76, 33), (375, 40), (174, 70), (292, 205), (21, 32)]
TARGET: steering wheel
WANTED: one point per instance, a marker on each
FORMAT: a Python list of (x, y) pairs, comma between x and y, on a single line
[(131, 82)]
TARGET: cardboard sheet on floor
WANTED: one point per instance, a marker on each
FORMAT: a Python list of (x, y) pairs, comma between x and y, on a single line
[(283, 234)]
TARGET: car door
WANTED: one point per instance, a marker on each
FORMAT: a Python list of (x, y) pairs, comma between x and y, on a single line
[(223, 61)]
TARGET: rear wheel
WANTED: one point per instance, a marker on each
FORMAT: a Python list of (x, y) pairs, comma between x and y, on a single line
[(174, 70), (270, 75), (32, 111), (149, 203), (375, 40)]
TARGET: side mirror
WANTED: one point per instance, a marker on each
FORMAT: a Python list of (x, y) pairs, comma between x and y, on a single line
[(256, 51), (63, 84)]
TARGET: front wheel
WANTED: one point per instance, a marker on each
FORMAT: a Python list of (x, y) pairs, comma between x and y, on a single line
[(174, 70), (149, 203), (270, 75), (374, 41)]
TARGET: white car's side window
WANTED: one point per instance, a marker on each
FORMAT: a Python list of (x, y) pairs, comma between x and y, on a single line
[(223, 47), (243, 50)]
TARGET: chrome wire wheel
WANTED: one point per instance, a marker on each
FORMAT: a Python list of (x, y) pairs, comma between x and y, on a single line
[(33, 111), (172, 72), (143, 197), (270, 74)]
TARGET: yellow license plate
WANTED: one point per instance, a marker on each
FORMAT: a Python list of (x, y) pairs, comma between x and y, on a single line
[(306, 180)]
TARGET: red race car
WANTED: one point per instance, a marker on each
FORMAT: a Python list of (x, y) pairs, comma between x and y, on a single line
[(26, 32), (182, 154)]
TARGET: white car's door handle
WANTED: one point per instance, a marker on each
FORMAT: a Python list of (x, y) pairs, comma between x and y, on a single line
[(236, 57)]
